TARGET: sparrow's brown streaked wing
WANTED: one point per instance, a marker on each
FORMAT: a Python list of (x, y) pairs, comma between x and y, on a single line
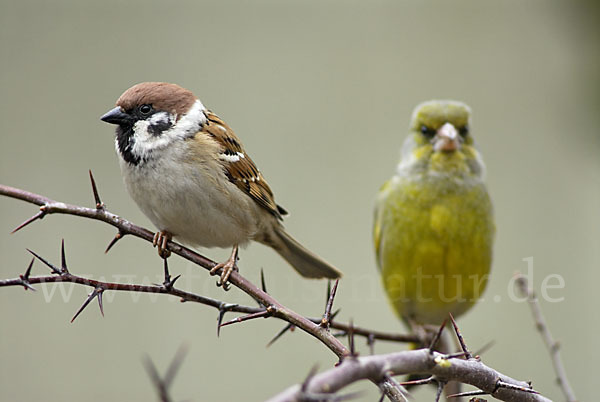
[(240, 169)]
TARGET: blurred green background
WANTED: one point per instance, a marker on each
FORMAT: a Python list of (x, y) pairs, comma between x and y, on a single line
[(321, 94)]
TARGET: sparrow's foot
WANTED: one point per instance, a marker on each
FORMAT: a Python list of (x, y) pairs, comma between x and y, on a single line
[(160, 240), (228, 267)]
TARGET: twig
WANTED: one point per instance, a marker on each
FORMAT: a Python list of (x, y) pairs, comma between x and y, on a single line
[(552, 345), (433, 363), (49, 206), (66, 276), (162, 385), (375, 368), (124, 227)]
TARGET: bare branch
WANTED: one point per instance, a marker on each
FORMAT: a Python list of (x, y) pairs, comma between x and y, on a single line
[(183, 295), (352, 368), (375, 368), (552, 345), (125, 227)]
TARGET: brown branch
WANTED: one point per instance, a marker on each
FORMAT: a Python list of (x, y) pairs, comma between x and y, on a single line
[(182, 294), (49, 206), (376, 368), (552, 345), (124, 227)]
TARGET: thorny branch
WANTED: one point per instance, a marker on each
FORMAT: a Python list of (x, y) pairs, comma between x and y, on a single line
[(268, 303), (379, 369), (124, 227), (552, 345), (374, 368)]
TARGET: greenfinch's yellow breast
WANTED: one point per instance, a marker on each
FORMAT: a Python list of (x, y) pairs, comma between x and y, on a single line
[(434, 229)]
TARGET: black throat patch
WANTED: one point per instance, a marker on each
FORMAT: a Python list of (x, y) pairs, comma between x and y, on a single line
[(125, 143)]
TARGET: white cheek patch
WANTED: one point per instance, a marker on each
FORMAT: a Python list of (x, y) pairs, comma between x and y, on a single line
[(161, 118), (145, 142)]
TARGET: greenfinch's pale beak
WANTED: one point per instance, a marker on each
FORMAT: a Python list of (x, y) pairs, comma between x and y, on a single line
[(446, 139)]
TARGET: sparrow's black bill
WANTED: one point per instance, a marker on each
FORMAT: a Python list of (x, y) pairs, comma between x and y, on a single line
[(116, 116)]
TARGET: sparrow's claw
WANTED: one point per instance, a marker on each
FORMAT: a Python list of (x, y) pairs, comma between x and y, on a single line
[(160, 240), (228, 267)]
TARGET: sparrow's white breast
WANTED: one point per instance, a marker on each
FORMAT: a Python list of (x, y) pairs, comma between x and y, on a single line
[(190, 197)]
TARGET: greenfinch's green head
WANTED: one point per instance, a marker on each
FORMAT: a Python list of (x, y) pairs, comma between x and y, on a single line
[(440, 141)]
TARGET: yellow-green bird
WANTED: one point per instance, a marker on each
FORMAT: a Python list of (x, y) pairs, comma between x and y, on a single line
[(434, 226)]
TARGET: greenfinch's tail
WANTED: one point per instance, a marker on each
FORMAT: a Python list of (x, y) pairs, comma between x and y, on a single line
[(307, 263)]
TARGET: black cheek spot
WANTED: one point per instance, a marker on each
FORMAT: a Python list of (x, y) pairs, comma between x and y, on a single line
[(157, 128)]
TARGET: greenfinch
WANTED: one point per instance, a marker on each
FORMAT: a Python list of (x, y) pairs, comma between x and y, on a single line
[(433, 225)]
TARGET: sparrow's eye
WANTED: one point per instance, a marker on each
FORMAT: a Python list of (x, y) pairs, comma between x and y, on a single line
[(145, 110), (463, 131), (427, 132)]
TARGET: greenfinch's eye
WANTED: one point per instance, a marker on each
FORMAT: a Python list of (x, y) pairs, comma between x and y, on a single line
[(463, 131), (145, 110), (427, 132)]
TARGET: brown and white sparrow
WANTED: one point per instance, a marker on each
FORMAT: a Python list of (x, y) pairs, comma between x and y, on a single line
[(190, 175)]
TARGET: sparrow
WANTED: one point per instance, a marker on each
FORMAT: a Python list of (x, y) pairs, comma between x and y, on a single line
[(191, 176), (434, 228)]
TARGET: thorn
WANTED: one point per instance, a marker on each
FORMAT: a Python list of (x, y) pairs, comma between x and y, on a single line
[(63, 259), (260, 314), (168, 283), (223, 308), (351, 339), (100, 293), (117, 237), (262, 281), (437, 336), (484, 349), (97, 292), (99, 204), (422, 381), (468, 393), (175, 364), (327, 315), (37, 216), (156, 380), (388, 376), (27, 285), (310, 375), (25, 277), (461, 340), (502, 384), (371, 343), (52, 267), (288, 327), (455, 355), (440, 389)]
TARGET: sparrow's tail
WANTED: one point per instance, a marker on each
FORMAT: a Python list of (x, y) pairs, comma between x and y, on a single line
[(301, 259)]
